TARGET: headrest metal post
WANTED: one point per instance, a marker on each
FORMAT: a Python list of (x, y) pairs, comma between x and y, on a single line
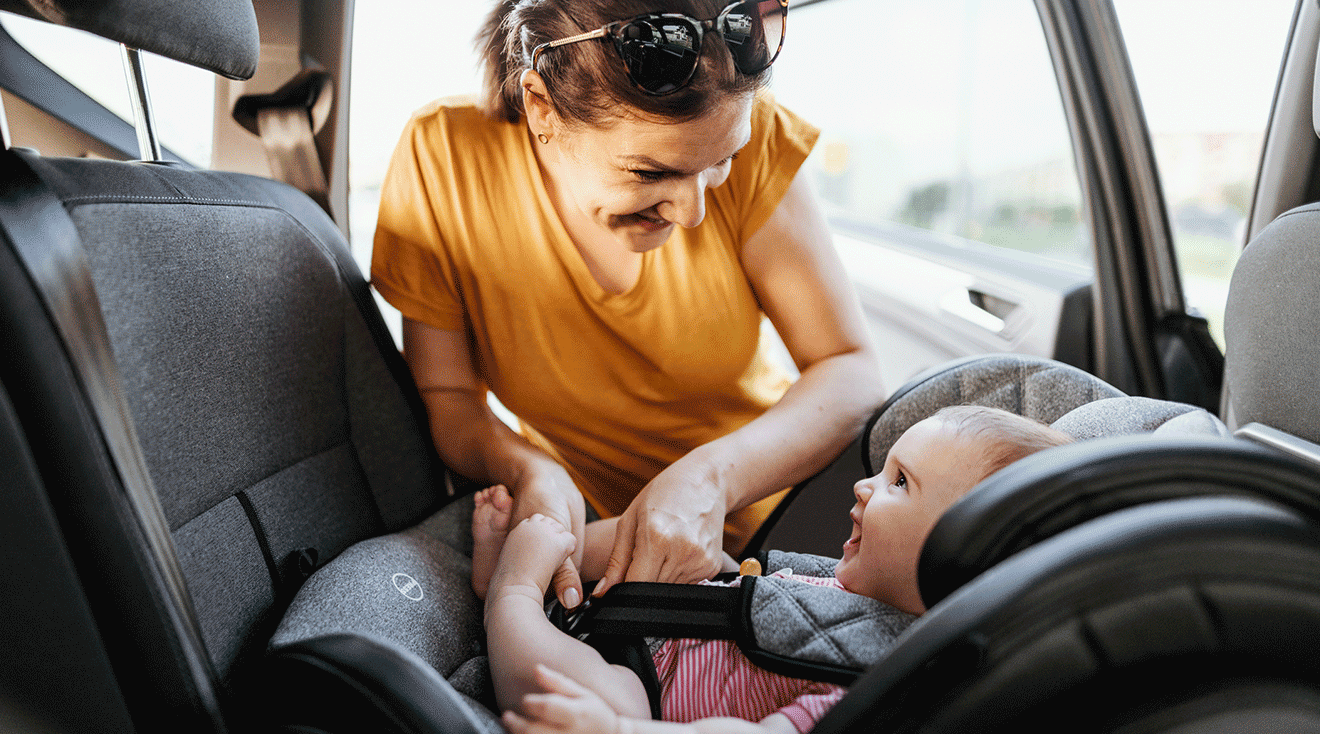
[(144, 120), (5, 140)]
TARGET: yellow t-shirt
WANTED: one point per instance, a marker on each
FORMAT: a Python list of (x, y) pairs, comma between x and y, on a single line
[(615, 387)]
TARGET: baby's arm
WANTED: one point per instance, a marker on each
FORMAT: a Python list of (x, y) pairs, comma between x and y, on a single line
[(520, 638), (569, 707)]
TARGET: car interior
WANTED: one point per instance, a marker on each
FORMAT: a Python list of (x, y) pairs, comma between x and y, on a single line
[(222, 510)]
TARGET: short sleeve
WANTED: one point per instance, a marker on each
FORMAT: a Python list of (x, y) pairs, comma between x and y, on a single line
[(411, 264), (763, 170)]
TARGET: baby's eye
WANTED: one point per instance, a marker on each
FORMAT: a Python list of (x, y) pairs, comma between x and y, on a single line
[(900, 481)]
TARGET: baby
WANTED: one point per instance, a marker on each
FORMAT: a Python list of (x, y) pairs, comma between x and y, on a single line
[(547, 681)]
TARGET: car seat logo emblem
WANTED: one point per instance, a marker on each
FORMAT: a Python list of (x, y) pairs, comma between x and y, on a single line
[(408, 586)]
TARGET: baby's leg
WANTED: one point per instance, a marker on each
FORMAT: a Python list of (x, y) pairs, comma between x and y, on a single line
[(519, 636), (490, 523)]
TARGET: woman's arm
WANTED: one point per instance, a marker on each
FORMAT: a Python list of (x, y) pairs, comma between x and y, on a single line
[(804, 290), (473, 441), (672, 531)]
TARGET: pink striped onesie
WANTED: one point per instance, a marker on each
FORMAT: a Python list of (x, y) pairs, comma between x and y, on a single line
[(705, 678)]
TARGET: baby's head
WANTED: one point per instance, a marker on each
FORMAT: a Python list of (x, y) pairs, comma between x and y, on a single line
[(929, 467)]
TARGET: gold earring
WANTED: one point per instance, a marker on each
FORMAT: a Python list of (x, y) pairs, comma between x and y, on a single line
[(543, 138)]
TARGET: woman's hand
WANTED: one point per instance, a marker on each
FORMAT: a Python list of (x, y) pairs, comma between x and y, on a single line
[(674, 529), (551, 492)]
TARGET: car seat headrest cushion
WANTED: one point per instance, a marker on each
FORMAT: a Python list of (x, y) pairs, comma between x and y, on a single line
[(216, 35), (1271, 329)]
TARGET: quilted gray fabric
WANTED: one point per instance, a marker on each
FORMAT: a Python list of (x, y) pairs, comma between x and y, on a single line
[(1036, 387), (824, 625), (805, 564)]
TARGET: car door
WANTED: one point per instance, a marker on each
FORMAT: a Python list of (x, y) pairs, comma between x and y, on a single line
[(946, 168), (992, 186)]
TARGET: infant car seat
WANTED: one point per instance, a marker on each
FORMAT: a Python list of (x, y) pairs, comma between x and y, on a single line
[(1195, 614), (814, 517), (203, 406)]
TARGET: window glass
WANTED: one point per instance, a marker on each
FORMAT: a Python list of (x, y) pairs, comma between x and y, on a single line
[(1206, 91), (942, 114), (398, 68), (182, 96)]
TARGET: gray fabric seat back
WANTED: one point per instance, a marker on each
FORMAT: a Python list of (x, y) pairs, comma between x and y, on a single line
[(273, 413)]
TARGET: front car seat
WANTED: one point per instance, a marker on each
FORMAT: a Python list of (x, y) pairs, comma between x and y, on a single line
[(210, 402)]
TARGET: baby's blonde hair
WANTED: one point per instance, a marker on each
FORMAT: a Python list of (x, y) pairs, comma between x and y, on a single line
[(1006, 436)]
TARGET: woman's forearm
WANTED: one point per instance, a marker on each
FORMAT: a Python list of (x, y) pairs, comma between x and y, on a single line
[(798, 436), (474, 442)]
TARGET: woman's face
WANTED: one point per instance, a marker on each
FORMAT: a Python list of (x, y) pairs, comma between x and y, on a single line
[(635, 179)]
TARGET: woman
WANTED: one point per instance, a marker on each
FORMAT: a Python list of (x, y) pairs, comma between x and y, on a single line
[(585, 245)]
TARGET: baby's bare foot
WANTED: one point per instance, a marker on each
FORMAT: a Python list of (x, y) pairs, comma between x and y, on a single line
[(490, 524), (533, 550)]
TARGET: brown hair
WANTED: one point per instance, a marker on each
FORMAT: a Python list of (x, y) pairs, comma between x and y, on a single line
[(1009, 436), (586, 81)]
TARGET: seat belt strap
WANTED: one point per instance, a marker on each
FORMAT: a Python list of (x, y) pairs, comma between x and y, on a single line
[(287, 121), (662, 610)]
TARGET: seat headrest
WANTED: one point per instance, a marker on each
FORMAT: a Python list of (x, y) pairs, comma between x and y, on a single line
[(1272, 327), (217, 35), (1315, 97)]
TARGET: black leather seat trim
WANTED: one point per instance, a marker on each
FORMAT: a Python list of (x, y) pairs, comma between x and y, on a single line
[(1047, 493), (348, 682), (975, 656), (67, 332)]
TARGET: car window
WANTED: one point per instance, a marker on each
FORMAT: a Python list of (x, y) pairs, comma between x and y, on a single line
[(1206, 91), (398, 68), (943, 115), (183, 97)]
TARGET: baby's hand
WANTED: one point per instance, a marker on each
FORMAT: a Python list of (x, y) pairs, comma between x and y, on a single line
[(568, 707)]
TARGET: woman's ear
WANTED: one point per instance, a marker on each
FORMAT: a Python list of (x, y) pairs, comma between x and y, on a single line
[(541, 117)]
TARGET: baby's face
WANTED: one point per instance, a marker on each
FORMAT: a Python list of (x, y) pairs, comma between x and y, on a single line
[(929, 467)]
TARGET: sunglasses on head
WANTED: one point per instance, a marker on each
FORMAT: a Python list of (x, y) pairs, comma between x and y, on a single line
[(660, 50)]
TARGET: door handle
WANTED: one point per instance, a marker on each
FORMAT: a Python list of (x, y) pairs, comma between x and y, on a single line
[(978, 308)]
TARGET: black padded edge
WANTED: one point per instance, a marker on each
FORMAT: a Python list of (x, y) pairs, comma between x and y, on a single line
[(65, 391), (1054, 490), (352, 683), (216, 35), (1052, 585), (56, 674)]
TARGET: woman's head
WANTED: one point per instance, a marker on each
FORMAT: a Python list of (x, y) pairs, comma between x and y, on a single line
[(586, 83)]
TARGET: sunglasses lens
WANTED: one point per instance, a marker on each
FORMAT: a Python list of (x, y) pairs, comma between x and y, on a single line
[(753, 32), (660, 53)]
